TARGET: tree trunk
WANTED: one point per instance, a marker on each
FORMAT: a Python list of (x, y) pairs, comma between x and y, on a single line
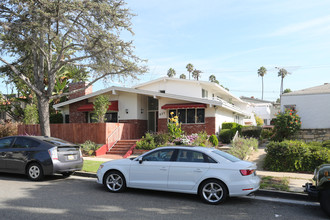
[(262, 94), (43, 108), (281, 86)]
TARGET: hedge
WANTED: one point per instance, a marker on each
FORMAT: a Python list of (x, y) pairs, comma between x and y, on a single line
[(226, 135), (251, 131), (293, 156)]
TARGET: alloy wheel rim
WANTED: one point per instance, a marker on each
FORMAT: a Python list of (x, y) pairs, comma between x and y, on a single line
[(34, 172), (114, 182), (212, 192)]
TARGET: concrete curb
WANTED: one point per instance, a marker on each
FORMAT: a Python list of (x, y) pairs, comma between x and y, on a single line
[(260, 192)]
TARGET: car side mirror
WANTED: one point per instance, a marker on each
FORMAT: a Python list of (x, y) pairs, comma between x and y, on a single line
[(140, 160)]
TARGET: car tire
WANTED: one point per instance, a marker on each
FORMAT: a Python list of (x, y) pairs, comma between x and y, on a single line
[(114, 181), (67, 174), (325, 201), (35, 172), (213, 191)]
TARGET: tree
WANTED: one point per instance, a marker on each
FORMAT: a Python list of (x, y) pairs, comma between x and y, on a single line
[(53, 34), (262, 72), (196, 74), (183, 76), (31, 114), (101, 105), (287, 91), (282, 73), (213, 79), (171, 72), (190, 68)]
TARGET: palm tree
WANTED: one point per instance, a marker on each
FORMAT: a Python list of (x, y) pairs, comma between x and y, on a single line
[(171, 72), (196, 74), (182, 76), (213, 79), (261, 72), (190, 68), (282, 73)]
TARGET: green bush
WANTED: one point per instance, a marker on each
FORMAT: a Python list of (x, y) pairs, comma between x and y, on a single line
[(147, 142), (326, 144), (286, 125), (161, 138), (243, 147), (251, 131), (89, 148), (56, 118), (226, 135), (266, 133), (213, 140), (8, 129), (232, 125), (295, 156)]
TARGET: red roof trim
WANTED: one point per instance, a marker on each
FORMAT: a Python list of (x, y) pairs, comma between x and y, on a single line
[(184, 105), (90, 107)]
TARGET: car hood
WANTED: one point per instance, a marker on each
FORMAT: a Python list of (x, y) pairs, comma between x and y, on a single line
[(119, 161)]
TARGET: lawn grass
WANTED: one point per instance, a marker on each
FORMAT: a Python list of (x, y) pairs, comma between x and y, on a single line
[(91, 166), (274, 183)]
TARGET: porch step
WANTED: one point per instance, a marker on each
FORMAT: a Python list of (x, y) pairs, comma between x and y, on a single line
[(121, 147)]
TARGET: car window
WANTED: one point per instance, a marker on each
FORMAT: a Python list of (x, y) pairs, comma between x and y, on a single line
[(6, 142), (159, 155), (191, 156), (25, 143), (226, 156)]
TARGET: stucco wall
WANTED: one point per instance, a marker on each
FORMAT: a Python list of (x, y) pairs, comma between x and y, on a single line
[(314, 110)]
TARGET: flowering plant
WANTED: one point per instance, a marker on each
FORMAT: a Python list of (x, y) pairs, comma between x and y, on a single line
[(286, 124), (174, 127)]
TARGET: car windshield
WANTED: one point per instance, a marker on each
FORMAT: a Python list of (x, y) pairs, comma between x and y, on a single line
[(226, 155)]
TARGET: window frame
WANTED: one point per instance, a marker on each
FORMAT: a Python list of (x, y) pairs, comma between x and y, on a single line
[(196, 118)]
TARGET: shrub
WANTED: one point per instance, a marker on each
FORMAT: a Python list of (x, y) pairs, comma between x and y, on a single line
[(286, 125), (251, 131), (101, 105), (213, 140), (146, 143), (243, 147), (174, 127), (161, 138), (295, 156), (31, 115), (232, 125), (226, 135), (8, 129), (89, 148), (259, 120), (202, 139), (56, 118), (266, 133), (326, 144)]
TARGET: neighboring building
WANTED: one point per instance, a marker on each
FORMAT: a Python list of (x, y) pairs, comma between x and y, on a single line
[(265, 110), (200, 105), (312, 104)]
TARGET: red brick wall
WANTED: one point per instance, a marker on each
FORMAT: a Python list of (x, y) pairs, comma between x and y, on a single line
[(75, 116), (208, 126), (141, 126), (78, 85)]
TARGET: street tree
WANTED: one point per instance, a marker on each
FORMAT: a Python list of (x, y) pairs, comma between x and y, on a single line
[(282, 73), (190, 68), (213, 79), (262, 72), (52, 34), (171, 72), (183, 76), (101, 105)]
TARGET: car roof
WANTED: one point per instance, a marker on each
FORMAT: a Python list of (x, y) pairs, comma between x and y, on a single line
[(50, 140), (199, 148)]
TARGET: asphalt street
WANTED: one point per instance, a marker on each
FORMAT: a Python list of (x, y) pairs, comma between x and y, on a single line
[(82, 198)]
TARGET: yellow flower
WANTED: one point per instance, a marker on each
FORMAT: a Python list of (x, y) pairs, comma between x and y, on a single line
[(172, 113), (175, 117), (177, 124)]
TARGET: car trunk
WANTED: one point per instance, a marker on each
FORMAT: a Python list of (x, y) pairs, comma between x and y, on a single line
[(68, 153)]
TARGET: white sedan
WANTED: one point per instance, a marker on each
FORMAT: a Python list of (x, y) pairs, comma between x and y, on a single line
[(211, 173)]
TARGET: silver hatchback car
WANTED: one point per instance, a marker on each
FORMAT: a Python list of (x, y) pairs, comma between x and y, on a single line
[(37, 156)]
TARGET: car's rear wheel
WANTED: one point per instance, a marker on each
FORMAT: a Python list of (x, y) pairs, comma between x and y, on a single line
[(35, 172), (213, 191), (67, 174), (114, 181), (325, 201)]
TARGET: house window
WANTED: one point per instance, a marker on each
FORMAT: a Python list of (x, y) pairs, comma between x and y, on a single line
[(162, 91), (67, 119), (189, 116), (109, 117), (265, 121), (205, 93)]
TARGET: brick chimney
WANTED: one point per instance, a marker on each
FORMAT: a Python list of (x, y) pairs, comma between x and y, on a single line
[(79, 85)]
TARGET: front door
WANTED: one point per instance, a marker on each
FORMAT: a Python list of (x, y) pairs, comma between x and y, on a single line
[(153, 121)]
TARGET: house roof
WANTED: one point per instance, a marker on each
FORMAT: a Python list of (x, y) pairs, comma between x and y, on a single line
[(207, 84), (322, 89), (255, 100), (113, 89)]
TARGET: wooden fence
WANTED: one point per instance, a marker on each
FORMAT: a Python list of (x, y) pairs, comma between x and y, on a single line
[(81, 132)]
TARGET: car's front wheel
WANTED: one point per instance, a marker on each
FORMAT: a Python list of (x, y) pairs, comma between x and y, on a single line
[(325, 201), (213, 191), (35, 172), (114, 181)]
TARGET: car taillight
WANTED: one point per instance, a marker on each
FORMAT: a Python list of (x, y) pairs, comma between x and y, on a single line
[(246, 172), (53, 153), (81, 156)]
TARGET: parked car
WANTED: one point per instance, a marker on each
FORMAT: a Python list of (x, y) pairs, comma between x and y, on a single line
[(321, 189), (208, 172), (37, 156)]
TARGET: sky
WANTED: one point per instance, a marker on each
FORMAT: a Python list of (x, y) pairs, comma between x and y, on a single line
[(232, 39)]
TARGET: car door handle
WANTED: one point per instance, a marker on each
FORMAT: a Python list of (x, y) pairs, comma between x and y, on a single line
[(3, 154), (198, 171), (163, 168)]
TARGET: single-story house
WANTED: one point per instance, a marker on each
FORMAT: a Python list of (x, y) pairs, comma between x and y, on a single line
[(264, 109), (200, 105), (312, 105)]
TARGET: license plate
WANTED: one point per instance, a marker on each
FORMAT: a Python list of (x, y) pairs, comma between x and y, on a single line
[(70, 157)]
